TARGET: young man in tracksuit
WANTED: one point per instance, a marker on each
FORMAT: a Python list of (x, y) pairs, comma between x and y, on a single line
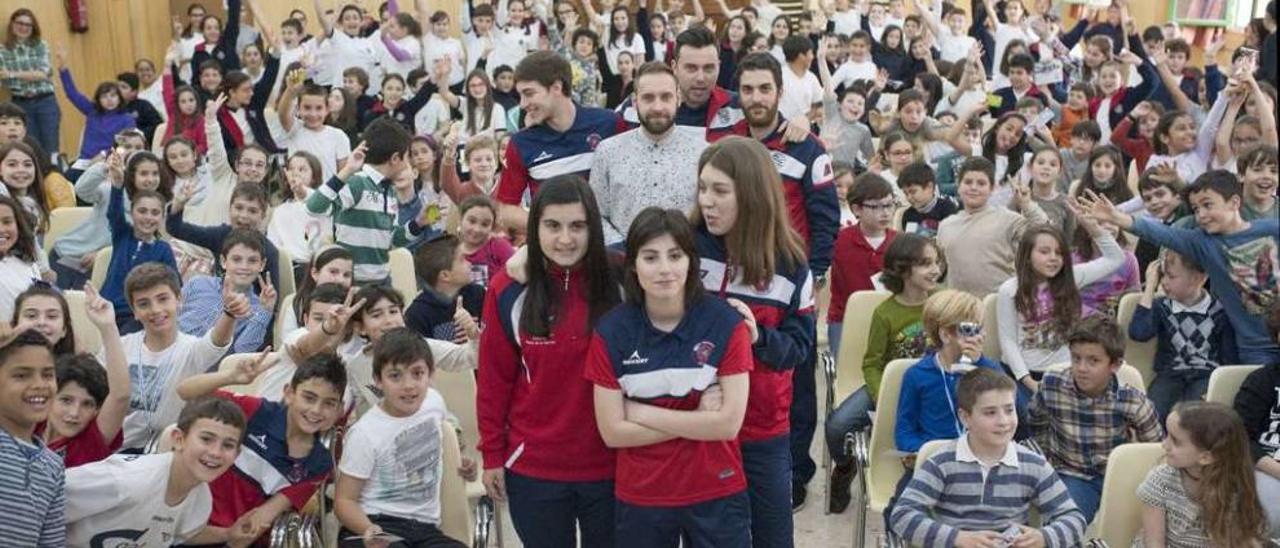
[(814, 209)]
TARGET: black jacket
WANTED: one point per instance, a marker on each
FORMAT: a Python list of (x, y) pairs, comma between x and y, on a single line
[(1258, 404)]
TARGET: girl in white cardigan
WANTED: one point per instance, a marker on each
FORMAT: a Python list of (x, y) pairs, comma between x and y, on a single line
[(1036, 308)]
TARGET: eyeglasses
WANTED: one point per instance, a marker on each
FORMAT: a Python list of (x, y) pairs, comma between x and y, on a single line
[(24, 23), (247, 163)]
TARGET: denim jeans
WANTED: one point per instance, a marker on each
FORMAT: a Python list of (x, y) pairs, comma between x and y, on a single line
[(851, 415), (1086, 493), (1167, 390), (43, 117), (767, 464), (550, 513), (1269, 496)]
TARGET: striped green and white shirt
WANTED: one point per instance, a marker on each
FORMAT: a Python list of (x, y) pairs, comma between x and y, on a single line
[(364, 220)]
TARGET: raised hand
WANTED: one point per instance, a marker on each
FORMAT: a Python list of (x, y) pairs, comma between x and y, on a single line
[(1098, 206), (1215, 45), (1129, 58), (99, 310), (212, 107), (1084, 217), (234, 303), (176, 23), (115, 168), (464, 326), (1021, 192), (268, 296), (338, 318), (295, 80), (354, 162), (246, 371), (60, 57)]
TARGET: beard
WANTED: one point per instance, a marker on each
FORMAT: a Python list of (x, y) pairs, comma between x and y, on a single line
[(658, 124), (757, 119)]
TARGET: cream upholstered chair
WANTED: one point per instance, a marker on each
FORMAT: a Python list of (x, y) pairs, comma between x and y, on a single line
[(1225, 382)]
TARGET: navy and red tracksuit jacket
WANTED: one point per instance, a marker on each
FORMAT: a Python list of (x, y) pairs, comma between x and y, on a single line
[(536, 411), (538, 153), (784, 313), (807, 183)]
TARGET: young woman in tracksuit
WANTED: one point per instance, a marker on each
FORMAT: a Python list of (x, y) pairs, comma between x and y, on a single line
[(751, 256), (670, 372), (541, 450)]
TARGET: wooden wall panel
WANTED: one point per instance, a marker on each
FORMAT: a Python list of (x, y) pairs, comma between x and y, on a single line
[(122, 31)]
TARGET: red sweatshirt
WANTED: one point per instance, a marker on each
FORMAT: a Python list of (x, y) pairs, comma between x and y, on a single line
[(536, 409), (854, 264), (1139, 148)]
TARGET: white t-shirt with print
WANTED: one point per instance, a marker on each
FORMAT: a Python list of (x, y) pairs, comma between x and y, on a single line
[(119, 501), (153, 381), (400, 459), (327, 143)]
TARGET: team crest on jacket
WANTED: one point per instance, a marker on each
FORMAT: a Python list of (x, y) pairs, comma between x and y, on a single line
[(593, 140), (702, 352)]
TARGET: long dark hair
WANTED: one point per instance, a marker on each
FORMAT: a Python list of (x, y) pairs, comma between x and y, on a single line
[(543, 294), (10, 40), (1118, 187), (1015, 154), (630, 32), (131, 172), (655, 222), (308, 283), (42, 289), (485, 104), (36, 191), (1062, 287), (25, 246)]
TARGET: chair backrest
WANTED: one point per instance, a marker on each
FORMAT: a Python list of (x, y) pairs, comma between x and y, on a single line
[(100, 265), (1120, 514), (455, 513), (1141, 355), (285, 265), (403, 276), (87, 337), (285, 311), (1226, 380), (886, 468), (929, 449), (990, 329), (459, 391), (62, 220), (1127, 374), (855, 329)]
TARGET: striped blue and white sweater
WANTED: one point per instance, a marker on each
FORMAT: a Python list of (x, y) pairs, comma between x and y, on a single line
[(951, 493)]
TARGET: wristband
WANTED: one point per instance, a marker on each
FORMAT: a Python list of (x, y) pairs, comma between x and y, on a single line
[(228, 314)]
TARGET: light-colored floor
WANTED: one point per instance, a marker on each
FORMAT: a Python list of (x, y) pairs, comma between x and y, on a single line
[(814, 527)]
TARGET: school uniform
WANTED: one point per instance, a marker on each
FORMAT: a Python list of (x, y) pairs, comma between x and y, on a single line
[(680, 487), (537, 417), (264, 467), (783, 309), (538, 153)]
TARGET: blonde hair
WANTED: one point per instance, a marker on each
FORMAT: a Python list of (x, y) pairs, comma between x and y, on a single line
[(477, 142), (947, 308)]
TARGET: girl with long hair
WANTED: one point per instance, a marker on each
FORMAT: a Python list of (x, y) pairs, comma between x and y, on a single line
[(1204, 494), (105, 116), (182, 108), (1037, 307), (332, 265), (533, 404), (292, 229), (18, 254), (1106, 177), (22, 179), (745, 242), (671, 390), (732, 44)]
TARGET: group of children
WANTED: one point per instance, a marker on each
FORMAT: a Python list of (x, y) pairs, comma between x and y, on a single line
[(293, 160)]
